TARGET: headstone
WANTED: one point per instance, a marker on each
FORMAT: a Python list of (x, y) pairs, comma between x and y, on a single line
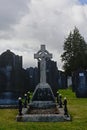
[(62, 80), (12, 79), (80, 83), (74, 81), (43, 96)]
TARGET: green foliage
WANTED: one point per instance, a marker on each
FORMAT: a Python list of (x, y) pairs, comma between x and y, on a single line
[(77, 108), (75, 52)]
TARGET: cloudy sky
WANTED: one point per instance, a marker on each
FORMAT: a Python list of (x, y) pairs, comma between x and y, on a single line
[(26, 24)]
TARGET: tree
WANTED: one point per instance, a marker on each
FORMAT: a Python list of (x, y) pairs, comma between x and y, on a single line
[(75, 52)]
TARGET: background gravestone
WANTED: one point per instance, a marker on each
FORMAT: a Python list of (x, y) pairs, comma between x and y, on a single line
[(80, 83), (62, 80), (12, 83)]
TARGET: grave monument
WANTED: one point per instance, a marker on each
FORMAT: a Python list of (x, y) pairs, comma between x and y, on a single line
[(43, 96), (43, 107)]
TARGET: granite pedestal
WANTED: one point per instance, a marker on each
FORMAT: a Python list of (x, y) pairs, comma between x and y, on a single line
[(45, 117)]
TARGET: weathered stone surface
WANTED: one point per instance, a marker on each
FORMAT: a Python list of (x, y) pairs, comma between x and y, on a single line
[(44, 117), (44, 111), (43, 97), (43, 92)]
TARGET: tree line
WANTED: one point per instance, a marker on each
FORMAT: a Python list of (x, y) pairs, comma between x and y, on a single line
[(74, 55)]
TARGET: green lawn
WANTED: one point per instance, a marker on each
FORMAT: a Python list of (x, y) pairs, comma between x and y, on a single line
[(76, 106)]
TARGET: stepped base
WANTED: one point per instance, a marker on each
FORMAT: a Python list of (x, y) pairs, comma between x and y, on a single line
[(44, 117)]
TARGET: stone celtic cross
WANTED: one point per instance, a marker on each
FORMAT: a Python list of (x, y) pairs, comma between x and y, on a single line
[(41, 56)]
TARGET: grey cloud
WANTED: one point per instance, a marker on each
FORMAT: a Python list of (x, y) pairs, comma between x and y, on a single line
[(46, 23), (11, 12)]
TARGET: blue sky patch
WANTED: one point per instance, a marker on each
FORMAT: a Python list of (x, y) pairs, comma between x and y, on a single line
[(83, 1)]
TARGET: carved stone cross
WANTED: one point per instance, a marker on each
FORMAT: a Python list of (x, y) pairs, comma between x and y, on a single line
[(41, 56)]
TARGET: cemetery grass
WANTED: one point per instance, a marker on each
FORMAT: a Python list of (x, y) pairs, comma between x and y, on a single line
[(77, 108)]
